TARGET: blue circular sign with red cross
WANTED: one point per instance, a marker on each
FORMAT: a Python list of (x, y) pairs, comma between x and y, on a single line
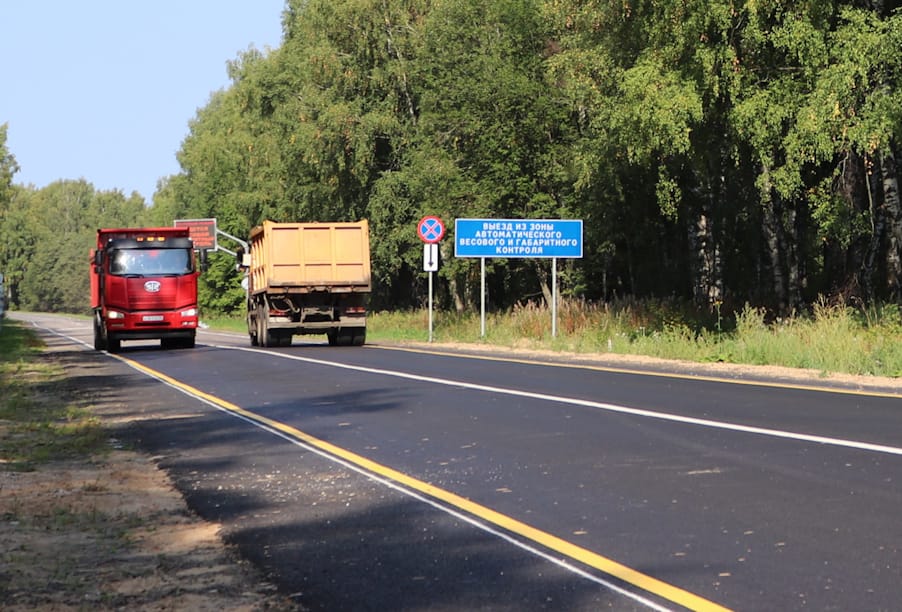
[(430, 229)]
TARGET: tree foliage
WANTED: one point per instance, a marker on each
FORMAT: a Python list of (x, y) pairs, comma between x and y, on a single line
[(716, 151), (47, 234)]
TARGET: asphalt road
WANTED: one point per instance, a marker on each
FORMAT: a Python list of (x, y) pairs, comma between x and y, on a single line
[(380, 478)]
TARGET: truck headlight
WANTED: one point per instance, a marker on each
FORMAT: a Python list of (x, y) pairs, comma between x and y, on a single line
[(191, 312), (115, 314)]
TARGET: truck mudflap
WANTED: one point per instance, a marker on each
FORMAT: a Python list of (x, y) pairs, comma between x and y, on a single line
[(347, 336)]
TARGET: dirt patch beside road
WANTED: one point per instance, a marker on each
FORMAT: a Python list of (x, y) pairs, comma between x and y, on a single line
[(111, 532)]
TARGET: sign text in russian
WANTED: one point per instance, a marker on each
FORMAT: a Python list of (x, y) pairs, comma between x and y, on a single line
[(518, 238)]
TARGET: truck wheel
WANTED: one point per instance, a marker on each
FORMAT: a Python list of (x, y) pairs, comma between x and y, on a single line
[(252, 326), (265, 336), (261, 330), (359, 337), (332, 337), (99, 342)]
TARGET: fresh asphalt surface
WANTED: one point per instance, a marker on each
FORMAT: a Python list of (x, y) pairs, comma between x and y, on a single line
[(382, 479)]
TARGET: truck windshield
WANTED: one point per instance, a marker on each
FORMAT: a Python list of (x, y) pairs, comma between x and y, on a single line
[(150, 262)]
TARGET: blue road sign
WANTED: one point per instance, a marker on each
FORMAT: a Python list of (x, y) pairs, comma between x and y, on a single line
[(518, 238)]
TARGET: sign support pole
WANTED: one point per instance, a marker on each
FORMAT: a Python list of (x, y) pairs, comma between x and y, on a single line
[(554, 297), (430, 306), (482, 298)]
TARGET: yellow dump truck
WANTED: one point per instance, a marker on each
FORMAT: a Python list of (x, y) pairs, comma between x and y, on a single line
[(308, 278)]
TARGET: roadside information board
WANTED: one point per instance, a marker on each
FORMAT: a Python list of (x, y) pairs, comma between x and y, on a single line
[(548, 238), (202, 231)]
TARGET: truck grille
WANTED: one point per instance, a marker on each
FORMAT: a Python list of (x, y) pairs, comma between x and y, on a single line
[(141, 299)]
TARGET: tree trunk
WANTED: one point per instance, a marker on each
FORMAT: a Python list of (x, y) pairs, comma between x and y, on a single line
[(454, 287), (793, 267), (707, 286), (544, 276), (878, 223), (396, 53), (893, 211), (772, 230), (706, 263)]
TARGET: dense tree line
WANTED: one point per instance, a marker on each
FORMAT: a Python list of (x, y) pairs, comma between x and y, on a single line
[(46, 234), (718, 151)]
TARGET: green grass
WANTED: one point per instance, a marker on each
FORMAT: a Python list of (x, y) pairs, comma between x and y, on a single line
[(35, 425), (232, 324), (831, 338)]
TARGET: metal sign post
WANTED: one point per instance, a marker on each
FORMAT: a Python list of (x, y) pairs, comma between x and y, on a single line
[(482, 298), (554, 297), (430, 229), (430, 264)]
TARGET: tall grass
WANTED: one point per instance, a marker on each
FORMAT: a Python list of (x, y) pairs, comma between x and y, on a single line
[(830, 338)]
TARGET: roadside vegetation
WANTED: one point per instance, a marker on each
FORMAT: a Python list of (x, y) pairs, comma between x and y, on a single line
[(832, 338), (719, 153), (36, 431)]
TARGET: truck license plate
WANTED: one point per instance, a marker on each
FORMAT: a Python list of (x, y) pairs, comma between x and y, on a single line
[(153, 317)]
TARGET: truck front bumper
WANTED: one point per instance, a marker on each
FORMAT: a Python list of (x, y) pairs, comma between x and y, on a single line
[(150, 325)]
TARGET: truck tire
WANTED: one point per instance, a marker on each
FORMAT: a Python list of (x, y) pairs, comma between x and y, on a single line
[(252, 325), (359, 337), (261, 329), (265, 336), (99, 340)]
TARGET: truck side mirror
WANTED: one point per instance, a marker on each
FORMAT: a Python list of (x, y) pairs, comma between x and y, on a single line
[(242, 259), (203, 260)]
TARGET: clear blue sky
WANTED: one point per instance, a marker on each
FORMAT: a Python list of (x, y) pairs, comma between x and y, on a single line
[(104, 89)]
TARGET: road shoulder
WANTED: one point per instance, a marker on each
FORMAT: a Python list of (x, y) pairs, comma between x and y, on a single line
[(112, 532)]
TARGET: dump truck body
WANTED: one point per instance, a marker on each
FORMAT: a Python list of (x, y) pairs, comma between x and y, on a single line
[(308, 278), (144, 287)]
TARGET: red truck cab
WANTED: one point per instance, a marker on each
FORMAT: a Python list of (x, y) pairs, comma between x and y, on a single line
[(144, 286)]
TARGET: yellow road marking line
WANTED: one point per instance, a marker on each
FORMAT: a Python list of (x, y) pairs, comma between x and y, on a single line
[(587, 557)]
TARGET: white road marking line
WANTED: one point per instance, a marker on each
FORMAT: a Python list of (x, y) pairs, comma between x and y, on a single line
[(663, 416)]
